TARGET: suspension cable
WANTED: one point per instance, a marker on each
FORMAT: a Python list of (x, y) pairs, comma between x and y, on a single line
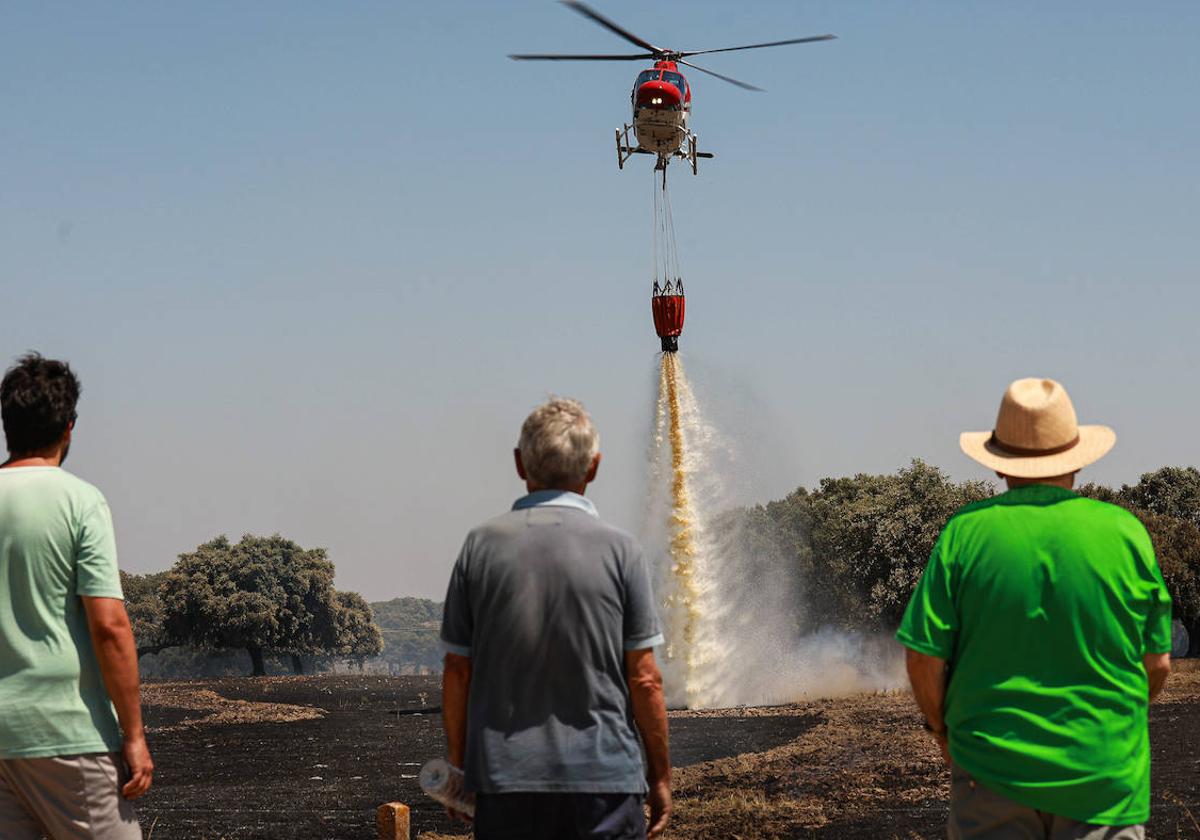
[(666, 251), (654, 189), (669, 221), (666, 235)]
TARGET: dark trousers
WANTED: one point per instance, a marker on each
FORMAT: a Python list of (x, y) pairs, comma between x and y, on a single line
[(559, 816)]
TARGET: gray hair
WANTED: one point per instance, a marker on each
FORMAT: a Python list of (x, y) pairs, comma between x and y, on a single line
[(558, 443)]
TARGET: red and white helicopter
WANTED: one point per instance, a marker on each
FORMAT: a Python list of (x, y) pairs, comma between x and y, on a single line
[(661, 98)]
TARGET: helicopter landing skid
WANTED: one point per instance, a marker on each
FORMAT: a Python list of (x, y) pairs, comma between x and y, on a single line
[(626, 149), (688, 151)]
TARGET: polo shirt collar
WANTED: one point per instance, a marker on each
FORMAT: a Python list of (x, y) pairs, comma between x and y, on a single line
[(555, 498), (1041, 493)]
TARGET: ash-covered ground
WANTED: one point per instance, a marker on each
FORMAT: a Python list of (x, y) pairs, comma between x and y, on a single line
[(312, 757)]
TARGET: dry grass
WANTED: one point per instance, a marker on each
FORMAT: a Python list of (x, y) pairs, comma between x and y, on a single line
[(867, 755), (1184, 683), (866, 769), (221, 709)]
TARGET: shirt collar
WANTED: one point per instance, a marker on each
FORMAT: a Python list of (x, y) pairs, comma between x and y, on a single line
[(1040, 492), (555, 498)]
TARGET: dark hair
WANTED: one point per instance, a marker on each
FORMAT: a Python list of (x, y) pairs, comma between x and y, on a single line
[(37, 403)]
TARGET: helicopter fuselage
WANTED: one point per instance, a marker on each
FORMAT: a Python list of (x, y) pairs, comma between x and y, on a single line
[(662, 102)]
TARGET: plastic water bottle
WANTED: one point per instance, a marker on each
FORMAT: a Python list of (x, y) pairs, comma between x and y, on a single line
[(444, 782)]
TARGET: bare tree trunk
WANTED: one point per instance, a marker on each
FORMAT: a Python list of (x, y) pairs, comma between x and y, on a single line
[(297, 665), (256, 659)]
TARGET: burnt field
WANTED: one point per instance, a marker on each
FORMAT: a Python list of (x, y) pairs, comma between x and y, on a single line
[(312, 757)]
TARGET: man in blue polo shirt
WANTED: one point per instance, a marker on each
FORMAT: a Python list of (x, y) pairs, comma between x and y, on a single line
[(549, 630), (1038, 635)]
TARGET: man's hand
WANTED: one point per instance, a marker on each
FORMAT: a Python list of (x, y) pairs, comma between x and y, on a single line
[(1158, 668), (944, 744), (141, 767), (459, 816), (659, 799), (456, 791)]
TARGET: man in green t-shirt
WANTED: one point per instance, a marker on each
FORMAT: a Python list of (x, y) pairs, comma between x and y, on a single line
[(70, 763), (1038, 635)]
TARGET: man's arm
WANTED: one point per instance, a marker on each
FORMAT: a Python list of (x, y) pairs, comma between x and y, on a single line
[(1158, 668), (650, 714), (927, 674), (116, 652), (456, 687)]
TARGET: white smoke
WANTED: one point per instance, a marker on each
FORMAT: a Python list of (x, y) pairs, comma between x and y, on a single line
[(745, 648)]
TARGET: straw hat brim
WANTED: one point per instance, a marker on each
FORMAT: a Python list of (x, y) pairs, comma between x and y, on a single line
[(1094, 443)]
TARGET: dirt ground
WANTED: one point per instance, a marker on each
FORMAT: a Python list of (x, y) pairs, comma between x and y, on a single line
[(311, 758)]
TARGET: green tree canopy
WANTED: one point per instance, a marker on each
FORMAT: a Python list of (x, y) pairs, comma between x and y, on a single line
[(872, 535), (410, 629), (1169, 491), (1177, 548), (260, 593), (358, 635), (146, 614), (407, 612)]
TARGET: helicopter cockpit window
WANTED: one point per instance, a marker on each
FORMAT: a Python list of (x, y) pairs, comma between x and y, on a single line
[(675, 79), (646, 76)]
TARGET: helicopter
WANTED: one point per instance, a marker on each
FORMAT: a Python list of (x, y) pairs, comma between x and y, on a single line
[(661, 97)]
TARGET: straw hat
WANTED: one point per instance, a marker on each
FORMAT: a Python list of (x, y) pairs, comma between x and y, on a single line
[(1037, 435)]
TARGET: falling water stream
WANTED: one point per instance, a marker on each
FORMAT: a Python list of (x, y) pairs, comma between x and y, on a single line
[(682, 602), (729, 612)]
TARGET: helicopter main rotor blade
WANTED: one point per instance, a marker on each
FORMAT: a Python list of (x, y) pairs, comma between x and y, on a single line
[(809, 40), (588, 12), (730, 79), (555, 57)]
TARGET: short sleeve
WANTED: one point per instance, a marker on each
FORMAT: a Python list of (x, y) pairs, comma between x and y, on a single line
[(96, 574), (930, 624), (457, 622), (1158, 619), (641, 627)]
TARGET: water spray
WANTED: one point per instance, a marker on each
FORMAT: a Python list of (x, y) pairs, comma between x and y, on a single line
[(732, 608)]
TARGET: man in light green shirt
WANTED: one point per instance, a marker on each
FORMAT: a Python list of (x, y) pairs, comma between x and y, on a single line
[(1037, 636), (70, 762)]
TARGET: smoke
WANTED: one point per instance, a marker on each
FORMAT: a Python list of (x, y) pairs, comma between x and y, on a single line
[(731, 610)]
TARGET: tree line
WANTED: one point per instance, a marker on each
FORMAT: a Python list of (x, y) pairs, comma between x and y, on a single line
[(264, 595), (411, 632), (860, 545), (862, 542)]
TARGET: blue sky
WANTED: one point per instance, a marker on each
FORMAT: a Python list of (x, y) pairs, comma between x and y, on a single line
[(314, 262)]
